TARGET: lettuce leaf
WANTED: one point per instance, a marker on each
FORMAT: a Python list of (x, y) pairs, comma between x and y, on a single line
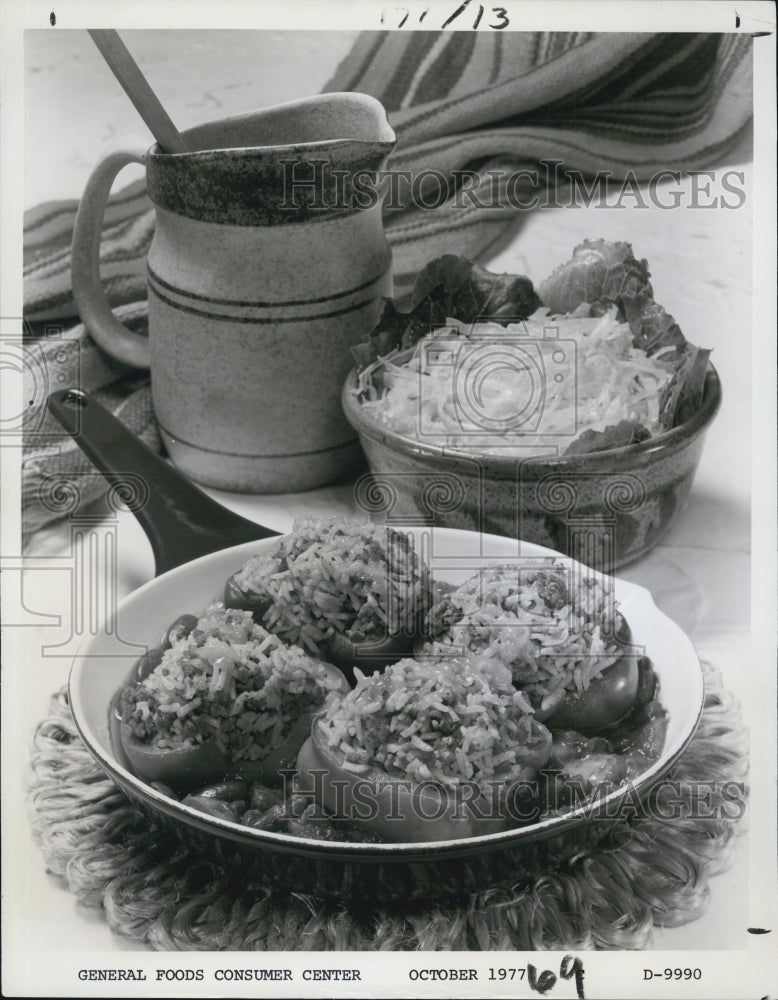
[(683, 396), (449, 286), (597, 270), (616, 436), (601, 273)]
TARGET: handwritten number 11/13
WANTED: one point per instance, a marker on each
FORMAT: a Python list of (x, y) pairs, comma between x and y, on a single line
[(497, 17)]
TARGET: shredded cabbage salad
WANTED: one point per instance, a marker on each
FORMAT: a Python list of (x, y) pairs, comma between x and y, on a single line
[(514, 389)]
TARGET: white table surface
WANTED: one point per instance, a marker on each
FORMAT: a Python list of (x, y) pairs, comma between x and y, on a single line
[(701, 262)]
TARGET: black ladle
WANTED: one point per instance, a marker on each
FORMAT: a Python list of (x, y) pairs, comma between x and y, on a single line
[(181, 522)]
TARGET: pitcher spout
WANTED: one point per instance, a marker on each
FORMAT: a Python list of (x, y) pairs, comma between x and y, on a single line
[(323, 120)]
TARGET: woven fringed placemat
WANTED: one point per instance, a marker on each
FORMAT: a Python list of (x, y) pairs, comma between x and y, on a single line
[(606, 885)]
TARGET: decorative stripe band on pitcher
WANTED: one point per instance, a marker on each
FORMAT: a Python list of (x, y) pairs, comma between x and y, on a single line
[(161, 283), (255, 313)]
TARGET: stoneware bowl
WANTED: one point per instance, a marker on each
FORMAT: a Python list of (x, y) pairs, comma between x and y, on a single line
[(605, 509)]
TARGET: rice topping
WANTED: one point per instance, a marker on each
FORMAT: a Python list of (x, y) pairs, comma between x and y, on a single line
[(336, 575), (439, 721), (552, 624), (229, 679)]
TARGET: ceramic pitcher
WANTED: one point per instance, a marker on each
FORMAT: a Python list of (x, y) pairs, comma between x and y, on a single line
[(268, 263)]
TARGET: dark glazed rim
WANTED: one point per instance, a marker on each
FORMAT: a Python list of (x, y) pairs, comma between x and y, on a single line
[(239, 169), (612, 459)]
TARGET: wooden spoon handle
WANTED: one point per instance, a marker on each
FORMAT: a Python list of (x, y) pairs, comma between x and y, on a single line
[(137, 88)]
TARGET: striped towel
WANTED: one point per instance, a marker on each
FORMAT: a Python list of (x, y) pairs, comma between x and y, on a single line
[(492, 106)]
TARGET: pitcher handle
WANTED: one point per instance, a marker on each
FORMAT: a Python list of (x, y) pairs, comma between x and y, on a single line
[(113, 336)]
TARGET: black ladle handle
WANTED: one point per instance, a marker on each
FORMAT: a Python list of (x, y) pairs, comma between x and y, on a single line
[(180, 521)]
